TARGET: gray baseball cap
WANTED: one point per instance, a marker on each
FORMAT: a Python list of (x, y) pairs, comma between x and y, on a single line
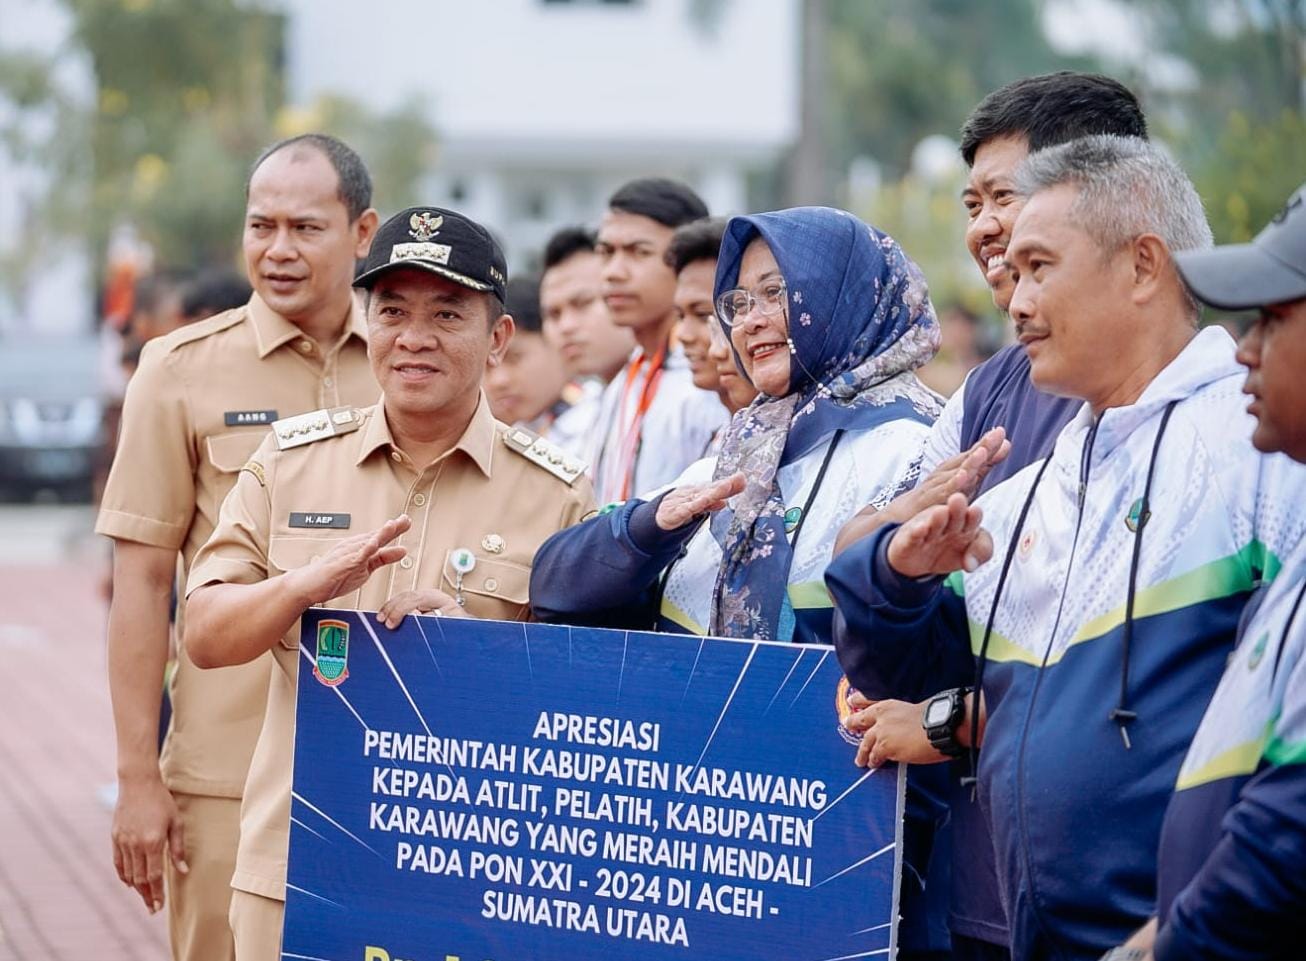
[(1269, 270)]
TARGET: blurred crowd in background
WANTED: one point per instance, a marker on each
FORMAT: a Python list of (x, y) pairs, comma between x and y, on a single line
[(126, 128)]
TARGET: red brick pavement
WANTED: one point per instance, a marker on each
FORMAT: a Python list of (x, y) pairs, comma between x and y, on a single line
[(60, 899)]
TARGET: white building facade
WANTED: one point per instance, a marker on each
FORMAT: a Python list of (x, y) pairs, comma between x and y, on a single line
[(543, 107)]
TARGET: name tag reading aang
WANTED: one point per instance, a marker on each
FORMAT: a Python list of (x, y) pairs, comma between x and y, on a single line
[(248, 418), (316, 519)]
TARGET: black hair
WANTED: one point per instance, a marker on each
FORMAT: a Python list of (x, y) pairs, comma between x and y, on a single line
[(567, 243), (1051, 109), (212, 292), (696, 240), (355, 189), (524, 303), (669, 202)]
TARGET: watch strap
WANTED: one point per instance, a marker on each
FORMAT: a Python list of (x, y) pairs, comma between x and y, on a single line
[(943, 737)]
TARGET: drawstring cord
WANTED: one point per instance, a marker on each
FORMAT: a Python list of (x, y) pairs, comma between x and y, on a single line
[(1287, 628), (1121, 713), (972, 780)]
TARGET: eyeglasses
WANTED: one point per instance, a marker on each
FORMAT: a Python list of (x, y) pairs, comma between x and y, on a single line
[(767, 298)]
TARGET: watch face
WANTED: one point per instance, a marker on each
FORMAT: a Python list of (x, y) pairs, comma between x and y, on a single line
[(937, 712)]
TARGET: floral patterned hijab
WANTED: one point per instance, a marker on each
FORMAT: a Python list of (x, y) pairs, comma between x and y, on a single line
[(860, 322)]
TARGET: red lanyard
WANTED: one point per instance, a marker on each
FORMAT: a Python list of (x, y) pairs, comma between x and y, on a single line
[(633, 436)]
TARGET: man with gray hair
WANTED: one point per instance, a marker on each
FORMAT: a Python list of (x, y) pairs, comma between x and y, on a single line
[(1095, 607)]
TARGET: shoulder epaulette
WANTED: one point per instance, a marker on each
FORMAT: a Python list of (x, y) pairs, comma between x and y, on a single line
[(315, 425), (202, 328), (256, 469), (543, 454)]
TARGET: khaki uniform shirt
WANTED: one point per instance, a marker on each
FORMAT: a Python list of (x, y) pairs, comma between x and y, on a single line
[(484, 495), (199, 405)]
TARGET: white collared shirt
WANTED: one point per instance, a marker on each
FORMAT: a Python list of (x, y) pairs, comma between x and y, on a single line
[(674, 432)]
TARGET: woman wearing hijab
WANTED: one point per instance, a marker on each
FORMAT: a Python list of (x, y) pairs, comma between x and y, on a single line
[(829, 319)]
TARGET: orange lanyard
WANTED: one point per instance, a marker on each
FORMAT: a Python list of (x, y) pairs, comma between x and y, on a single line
[(633, 437)]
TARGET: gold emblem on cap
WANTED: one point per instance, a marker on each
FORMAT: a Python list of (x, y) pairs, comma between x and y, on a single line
[(425, 225), (493, 543)]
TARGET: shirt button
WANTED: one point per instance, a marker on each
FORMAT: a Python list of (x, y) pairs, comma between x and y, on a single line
[(305, 347), (327, 381), (419, 499), (406, 563), (491, 584), (396, 456)]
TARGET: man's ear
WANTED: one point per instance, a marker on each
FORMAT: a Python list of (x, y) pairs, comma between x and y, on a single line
[(1152, 265), (365, 232), (501, 332)]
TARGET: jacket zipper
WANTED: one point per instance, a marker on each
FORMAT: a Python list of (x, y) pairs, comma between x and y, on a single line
[(1086, 459)]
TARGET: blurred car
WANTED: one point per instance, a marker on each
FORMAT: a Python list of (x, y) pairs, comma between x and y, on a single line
[(51, 415)]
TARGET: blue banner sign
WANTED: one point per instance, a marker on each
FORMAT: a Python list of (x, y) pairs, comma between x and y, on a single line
[(488, 791)]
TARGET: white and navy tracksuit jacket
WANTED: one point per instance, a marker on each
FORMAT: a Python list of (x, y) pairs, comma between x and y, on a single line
[(1232, 881), (1090, 712)]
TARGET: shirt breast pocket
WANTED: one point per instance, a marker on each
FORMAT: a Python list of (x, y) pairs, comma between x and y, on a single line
[(289, 552), (231, 451), (494, 588)]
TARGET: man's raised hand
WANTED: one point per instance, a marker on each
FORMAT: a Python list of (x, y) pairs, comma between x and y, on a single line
[(350, 562), (959, 473), (940, 540), (963, 473)]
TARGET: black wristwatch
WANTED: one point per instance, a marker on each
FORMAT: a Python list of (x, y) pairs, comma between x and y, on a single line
[(943, 715)]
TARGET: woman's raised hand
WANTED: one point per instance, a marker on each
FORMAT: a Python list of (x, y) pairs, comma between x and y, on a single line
[(682, 505)]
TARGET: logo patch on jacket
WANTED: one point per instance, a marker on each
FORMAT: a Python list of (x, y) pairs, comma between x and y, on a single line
[(1136, 518), (1027, 542), (792, 517), (1258, 651)]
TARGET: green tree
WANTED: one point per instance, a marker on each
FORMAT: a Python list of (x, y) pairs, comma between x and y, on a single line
[(926, 218), (1239, 130), (44, 127), (188, 90), (900, 71), (399, 147), (187, 93)]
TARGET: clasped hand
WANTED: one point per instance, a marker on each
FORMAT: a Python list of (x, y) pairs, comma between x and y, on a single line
[(891, 731)]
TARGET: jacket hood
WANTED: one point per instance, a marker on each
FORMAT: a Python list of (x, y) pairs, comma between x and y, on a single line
[(1207, 358)]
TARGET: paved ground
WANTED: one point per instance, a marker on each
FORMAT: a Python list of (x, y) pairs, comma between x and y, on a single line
[(59, 897)]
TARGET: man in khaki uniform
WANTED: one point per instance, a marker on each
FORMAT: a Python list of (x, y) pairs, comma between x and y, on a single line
[(424, 502), (199, 405)]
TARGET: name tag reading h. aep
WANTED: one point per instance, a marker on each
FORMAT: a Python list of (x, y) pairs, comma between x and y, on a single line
[(332, 521)]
